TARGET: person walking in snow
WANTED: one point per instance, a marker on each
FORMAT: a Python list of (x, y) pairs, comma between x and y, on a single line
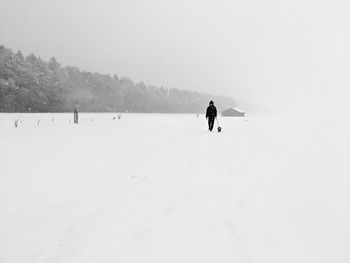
[(211, 115)]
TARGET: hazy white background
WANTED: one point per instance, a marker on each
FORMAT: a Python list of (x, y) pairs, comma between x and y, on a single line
[(268, 55)]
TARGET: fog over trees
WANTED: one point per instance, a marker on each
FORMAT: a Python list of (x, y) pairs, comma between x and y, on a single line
[(30, 84)]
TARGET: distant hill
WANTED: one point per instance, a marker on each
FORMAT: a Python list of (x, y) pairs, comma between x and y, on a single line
[(30, 84)]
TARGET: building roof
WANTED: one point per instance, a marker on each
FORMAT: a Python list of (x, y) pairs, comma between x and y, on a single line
[(238, 110)]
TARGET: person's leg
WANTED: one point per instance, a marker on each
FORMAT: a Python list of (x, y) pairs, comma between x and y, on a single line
[(211, 125)]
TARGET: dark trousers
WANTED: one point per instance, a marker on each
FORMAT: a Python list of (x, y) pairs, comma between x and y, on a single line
[(211, 123), (75, 117)]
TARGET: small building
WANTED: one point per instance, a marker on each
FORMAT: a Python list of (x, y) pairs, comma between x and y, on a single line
[(232, 112)]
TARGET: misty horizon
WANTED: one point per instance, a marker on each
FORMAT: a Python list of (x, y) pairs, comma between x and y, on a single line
[(266, 55)]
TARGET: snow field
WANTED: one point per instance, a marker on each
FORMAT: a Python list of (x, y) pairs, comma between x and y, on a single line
[(161, 188)]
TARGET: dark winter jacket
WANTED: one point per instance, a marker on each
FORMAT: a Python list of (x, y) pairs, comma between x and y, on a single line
[(211, 112)]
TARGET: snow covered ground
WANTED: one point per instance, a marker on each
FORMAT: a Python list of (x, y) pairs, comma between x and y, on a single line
[(161, 188)]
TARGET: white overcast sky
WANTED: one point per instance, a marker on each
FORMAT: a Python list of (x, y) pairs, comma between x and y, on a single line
[(264, 54)]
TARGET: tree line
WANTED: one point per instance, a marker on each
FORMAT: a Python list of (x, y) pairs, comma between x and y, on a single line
[(30, 84)]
